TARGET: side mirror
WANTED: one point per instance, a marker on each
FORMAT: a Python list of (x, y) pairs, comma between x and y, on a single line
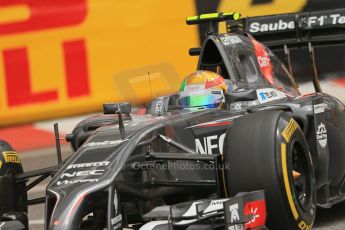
[(114, 108)]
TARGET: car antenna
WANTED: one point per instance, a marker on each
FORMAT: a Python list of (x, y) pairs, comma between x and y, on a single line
[(288, 58), (316, 81), (57, 142), (121, 125), (148, 73)]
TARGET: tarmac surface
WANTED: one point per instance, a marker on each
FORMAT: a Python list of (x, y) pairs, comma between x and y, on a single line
[(330, 219)]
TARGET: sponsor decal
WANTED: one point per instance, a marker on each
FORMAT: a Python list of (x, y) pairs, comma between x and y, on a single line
[(263, 59), (287, 23), (228, 40), (11, 157), (116, 202), (87, 165), (257, 211), (319, 108), (320, 20), (215, 205), (289, 130), (195, 87), (103, 143), (234, 213), (303, 226), (337, 19), (159, 107), (236, 106), (117, 222), (234, 217), (321, 135), (69, 177), (66, 182), (210, 144), (256, 27), (83, 173), (236, 227), (268, 95)]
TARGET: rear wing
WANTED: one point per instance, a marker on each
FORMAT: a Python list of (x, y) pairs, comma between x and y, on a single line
[(289, 31), (295, 30)]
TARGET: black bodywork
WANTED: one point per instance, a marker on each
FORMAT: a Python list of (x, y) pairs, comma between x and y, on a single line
[(122, 169)]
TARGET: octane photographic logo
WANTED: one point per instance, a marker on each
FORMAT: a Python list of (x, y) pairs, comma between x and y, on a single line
[(321, 135)]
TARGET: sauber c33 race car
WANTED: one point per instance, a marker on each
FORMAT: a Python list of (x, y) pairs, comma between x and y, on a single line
[(264, 160)]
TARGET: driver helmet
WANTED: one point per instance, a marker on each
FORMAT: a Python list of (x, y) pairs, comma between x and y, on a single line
[(204, 89)]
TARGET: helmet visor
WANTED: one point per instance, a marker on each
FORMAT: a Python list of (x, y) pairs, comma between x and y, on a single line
[(208, 98)]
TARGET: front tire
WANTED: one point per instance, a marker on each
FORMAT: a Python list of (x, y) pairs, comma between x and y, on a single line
[(268, 151), (10, 165)]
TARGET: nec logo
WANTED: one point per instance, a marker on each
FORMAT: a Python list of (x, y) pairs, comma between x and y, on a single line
[(83, 173), (210, 145)]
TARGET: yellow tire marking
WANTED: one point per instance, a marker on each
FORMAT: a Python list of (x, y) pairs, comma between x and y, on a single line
[(289, 130), (223, 176), (286, 182)]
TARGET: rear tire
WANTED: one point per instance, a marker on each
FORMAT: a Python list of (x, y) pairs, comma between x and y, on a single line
[(264, 150)]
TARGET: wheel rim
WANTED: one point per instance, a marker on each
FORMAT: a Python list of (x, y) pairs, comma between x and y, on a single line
[(300, 176)]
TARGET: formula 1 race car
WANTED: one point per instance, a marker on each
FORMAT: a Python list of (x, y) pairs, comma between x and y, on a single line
[(271, 152)]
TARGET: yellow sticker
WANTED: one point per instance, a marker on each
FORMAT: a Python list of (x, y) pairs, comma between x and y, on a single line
[(303, 226), (11, 157), (289, 130)]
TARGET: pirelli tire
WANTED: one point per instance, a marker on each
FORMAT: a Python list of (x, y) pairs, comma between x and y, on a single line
[(10, 164), (268, 151)]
